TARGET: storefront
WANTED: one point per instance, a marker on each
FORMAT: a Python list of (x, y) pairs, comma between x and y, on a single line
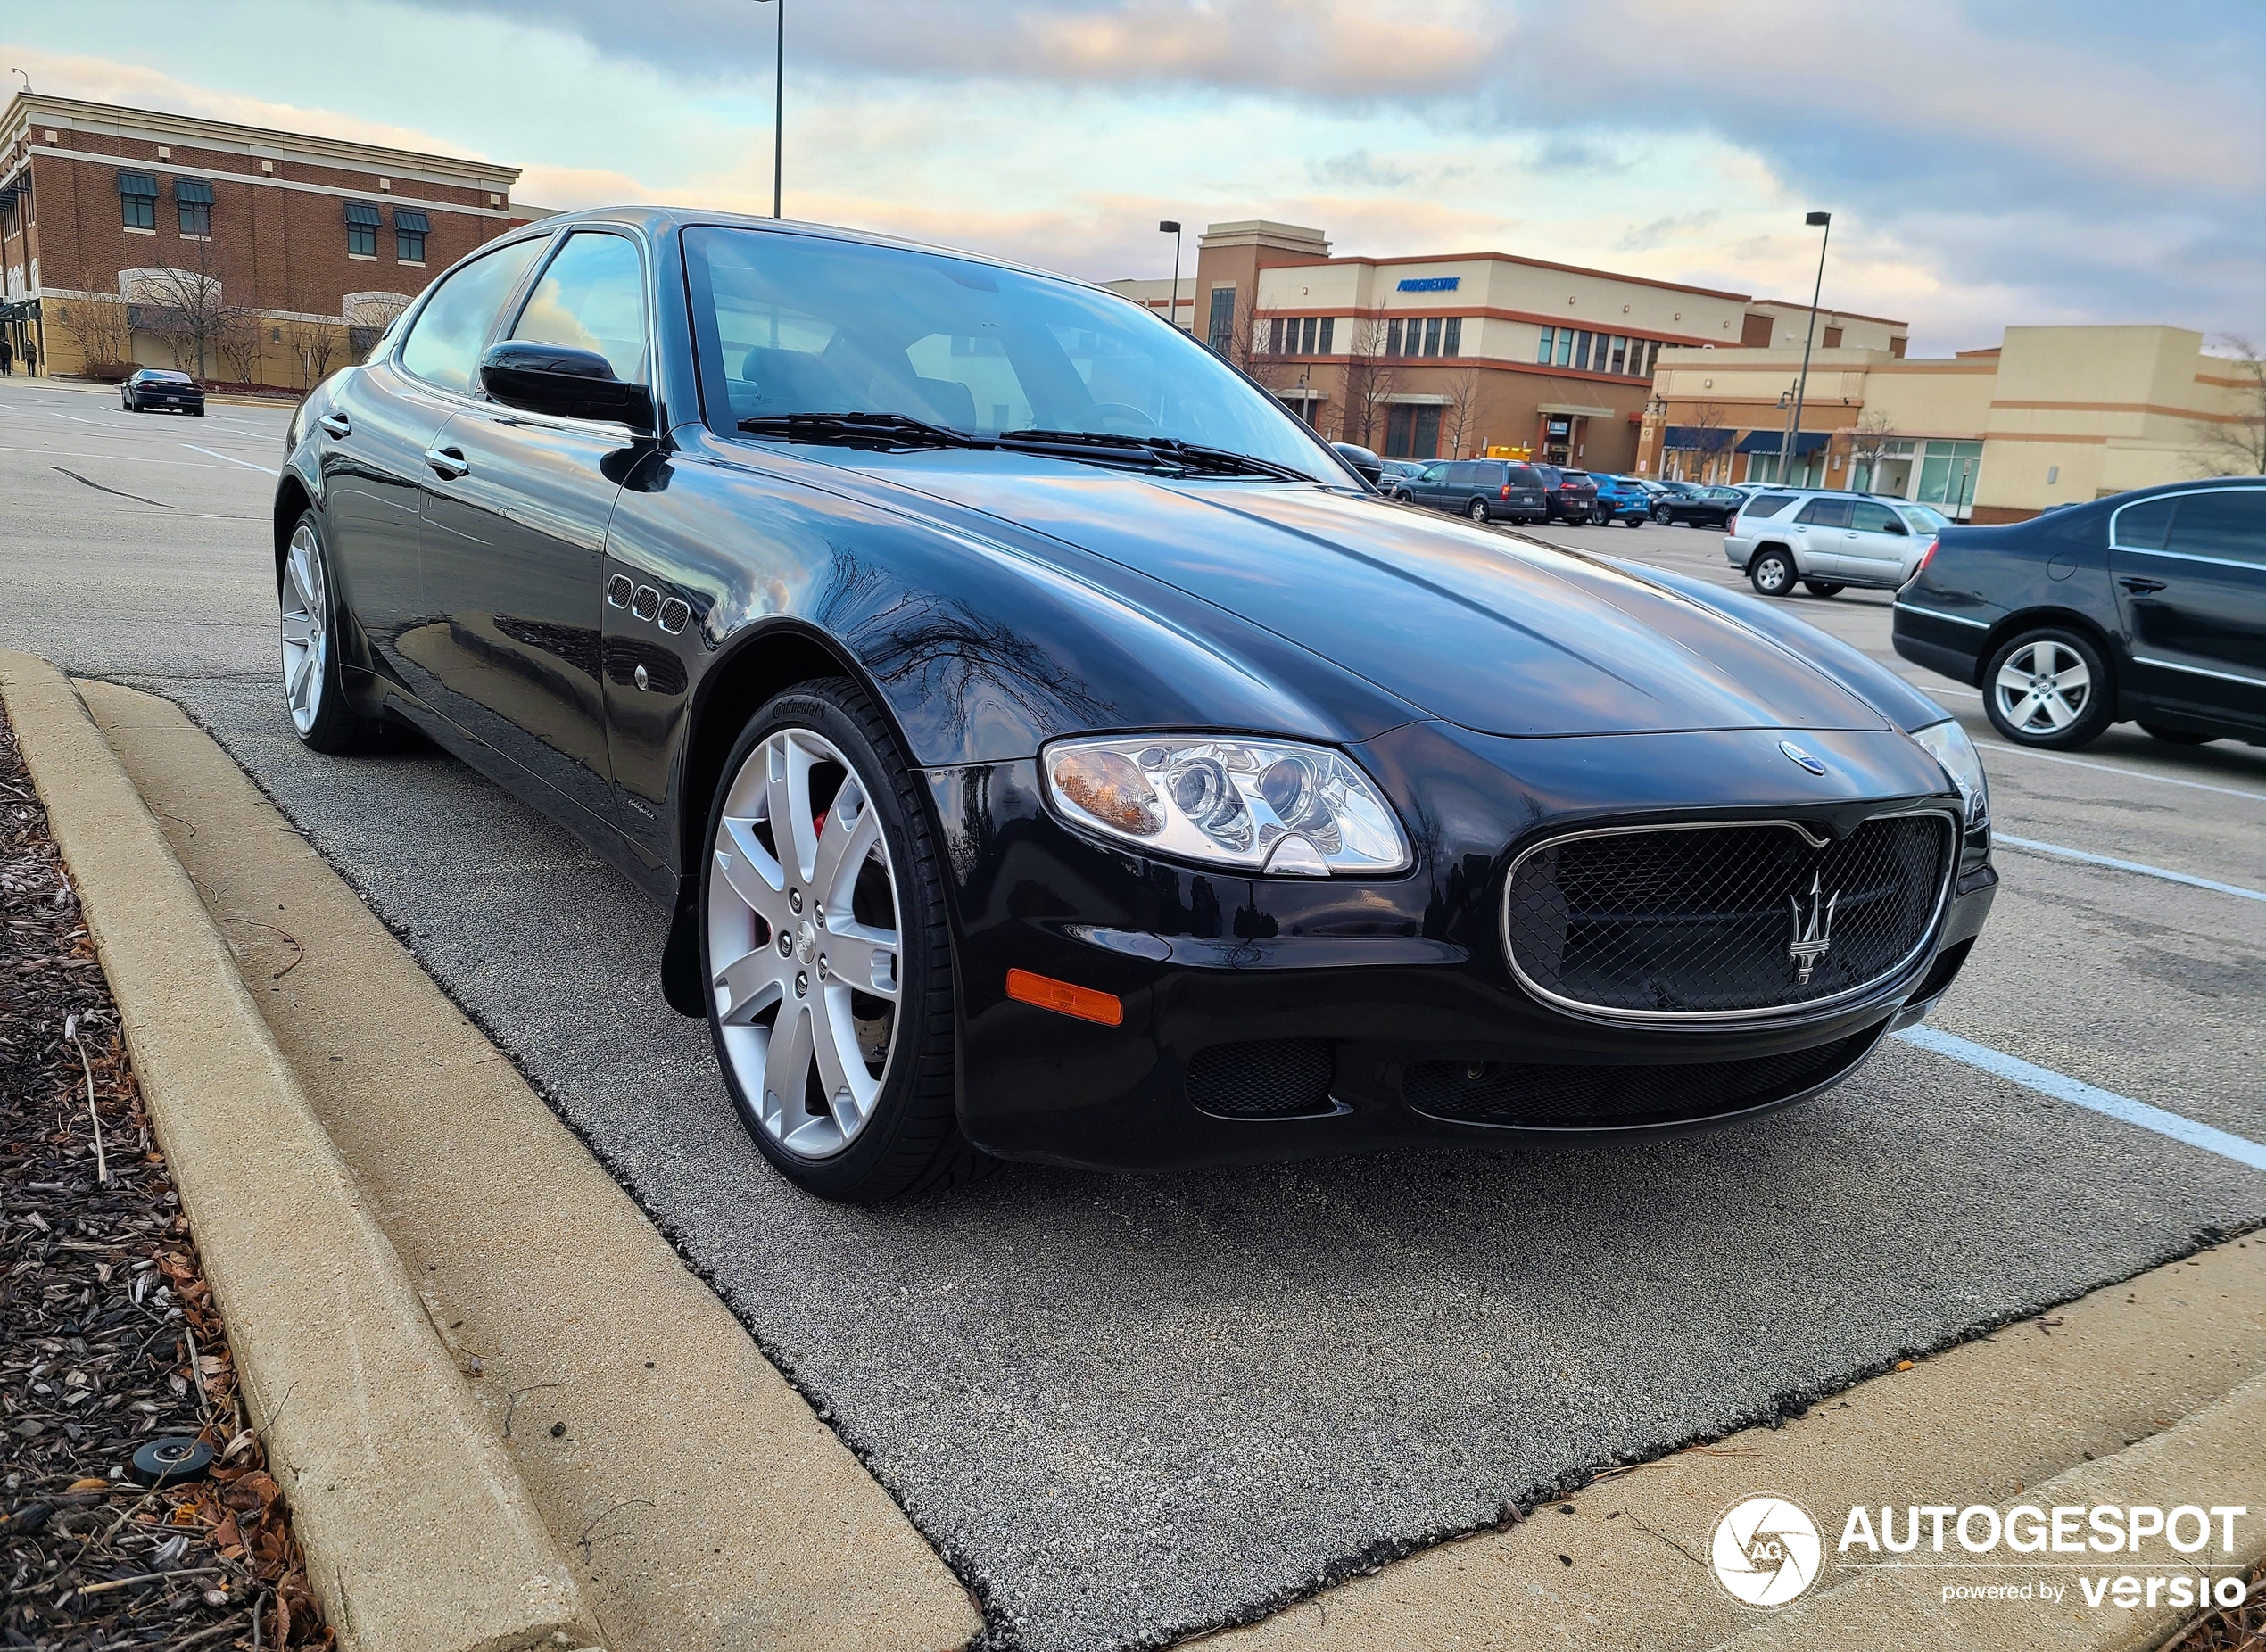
[(1763, 448)]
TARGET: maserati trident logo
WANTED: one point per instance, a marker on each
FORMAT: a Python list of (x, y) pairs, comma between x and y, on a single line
[(1813, 936)]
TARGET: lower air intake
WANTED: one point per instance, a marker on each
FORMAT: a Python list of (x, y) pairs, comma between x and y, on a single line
[(1269, 1078)]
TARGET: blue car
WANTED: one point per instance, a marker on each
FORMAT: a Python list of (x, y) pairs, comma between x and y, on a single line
[(1621, 499)]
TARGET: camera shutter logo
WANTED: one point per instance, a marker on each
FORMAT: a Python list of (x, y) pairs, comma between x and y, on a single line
[(1766, 1551)]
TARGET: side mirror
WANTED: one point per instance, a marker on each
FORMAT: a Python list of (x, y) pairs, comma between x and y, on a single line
[(563, 381), (1897, 527), (1364, 462)]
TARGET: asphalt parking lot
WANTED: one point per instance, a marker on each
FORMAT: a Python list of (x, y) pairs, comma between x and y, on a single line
[(1127, 1409)]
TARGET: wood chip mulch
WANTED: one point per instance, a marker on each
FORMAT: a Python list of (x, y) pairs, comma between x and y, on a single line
[(2230, 1629), (109, 1337)]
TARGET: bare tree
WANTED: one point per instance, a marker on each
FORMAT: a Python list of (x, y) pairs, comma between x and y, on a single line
[(100, 327), (1370, 379), (184, 306), (243, 347), (2237, 446), (1869, 439), (368, 314), (314, 342), (1459, 419), (1711, 436)]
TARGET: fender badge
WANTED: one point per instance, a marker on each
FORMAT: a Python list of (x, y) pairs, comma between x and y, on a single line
[(1801, 756)]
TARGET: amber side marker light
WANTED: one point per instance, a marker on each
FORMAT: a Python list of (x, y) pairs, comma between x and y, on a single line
[(1064, 999)]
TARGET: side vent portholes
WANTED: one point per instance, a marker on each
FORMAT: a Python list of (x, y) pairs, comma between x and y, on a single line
[(646, 603), (675, 613), (617, 591)]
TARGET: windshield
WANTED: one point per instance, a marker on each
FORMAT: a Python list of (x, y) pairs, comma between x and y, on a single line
[(792, 323)]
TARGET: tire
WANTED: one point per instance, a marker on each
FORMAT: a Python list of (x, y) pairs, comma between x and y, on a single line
[(1660, 515), (314, 695), (1599, 516), (1823, 588), (1480, 511), (196, 412), (1772, 573), (2082, 697), (878, 1135), (2177, 736)]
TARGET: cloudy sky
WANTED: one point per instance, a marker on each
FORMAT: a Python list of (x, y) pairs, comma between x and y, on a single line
[(1998, 162)]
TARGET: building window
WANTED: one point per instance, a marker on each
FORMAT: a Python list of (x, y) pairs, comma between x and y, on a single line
[(1620, 354), (1307, 329), (410, 228), (1392, 338), (1322, 339), (1565, 346), (1582, 352), (193, 199), (1432, 336), (137, 200), (361, 229), (1550, 343), (1651, 357), (1451, 336), (1222, 331)]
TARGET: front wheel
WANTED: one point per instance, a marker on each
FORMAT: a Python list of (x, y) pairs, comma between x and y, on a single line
[(1599, 516), (1661, 516), (1478, 511), (2049, 688), (1771, 572), (822, 930)]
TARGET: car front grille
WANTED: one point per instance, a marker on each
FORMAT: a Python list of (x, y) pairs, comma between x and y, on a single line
[(1697, 922), (1536, 1096)]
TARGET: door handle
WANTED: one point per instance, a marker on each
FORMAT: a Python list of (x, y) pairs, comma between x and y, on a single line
[(336, 426), (447, 463), (2140, 587)]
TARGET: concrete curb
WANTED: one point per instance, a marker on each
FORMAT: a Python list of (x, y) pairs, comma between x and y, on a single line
[(419, 1536), (2218, 1455)]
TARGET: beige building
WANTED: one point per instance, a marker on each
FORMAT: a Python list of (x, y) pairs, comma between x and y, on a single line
[(1448, 354), (2051, 416)]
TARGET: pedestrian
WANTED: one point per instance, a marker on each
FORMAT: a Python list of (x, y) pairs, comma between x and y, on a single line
[(30, 358), (7, 357)]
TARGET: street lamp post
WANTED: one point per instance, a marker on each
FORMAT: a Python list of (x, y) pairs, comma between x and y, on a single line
[(778, 97), (1816, 220), (1171, 227)]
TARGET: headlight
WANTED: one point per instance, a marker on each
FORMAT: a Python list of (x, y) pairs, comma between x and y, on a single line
[(1256, 805), (1948, 743)]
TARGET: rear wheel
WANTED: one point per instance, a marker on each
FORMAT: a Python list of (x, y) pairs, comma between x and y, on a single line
[(1478, 511), (1771, 572), (1823, 588), (2178, 737), (2049, 688), (312, 693), (822, 931)]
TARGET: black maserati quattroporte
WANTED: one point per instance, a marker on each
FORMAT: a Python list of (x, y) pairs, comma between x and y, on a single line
[(1048, 748)]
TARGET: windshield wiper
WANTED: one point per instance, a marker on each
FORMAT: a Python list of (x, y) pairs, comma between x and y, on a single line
[(861, 430), (1150, 450)]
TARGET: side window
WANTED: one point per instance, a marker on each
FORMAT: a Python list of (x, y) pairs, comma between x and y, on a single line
[(1825, 513), (2143, 526), (1465, 474), (591, 296), (1436, 473), (2227, 524), (443, 346), (1871, 518)]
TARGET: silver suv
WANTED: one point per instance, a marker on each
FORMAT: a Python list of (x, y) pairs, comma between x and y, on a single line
[(1828, 541)]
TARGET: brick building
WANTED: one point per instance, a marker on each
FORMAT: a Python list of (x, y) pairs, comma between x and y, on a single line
[(180, 237), (1441, 355)]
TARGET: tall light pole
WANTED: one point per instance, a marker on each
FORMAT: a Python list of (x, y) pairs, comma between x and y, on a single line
[(1816, 220), (1171, 227), (778, 96)]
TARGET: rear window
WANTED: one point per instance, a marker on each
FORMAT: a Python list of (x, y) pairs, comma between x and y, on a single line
[(1576, 477), (1523, 476), (1766, 504)]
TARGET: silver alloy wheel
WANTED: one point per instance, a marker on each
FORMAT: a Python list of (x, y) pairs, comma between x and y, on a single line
[(306, 629), (1479, 510), (789, 955), (2039, 693), (1768, 583)]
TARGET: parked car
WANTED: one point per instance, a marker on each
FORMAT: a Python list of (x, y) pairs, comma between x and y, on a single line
[(1397, 473), (1047, 746), (1828, 540), (1622, 499), (160, 387), (1698, 508), (2149, 608), (1567, 495), (1485, 489)]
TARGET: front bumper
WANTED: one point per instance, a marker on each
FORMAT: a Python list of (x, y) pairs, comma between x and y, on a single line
[(1372, 978)]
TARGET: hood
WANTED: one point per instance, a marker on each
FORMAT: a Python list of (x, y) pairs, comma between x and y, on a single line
[(1497, 634)]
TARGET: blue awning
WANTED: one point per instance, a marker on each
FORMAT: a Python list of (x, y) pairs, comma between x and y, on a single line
[(1806, 444), (138, 184), (191, 191), (409, 218), (1691, 438), (361, 212)]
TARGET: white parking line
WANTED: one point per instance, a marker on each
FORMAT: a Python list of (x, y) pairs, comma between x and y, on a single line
[(73, 418), (2110, 768), (246, 463), (2046, 1081), (2146, 871)]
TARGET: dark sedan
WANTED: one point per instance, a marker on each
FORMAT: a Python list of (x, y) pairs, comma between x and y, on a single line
[(1048, 748), (2146, 607), (1697, 508), (155, 388)]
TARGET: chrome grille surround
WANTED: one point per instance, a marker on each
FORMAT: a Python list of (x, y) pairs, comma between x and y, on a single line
[(1789, 1005)]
